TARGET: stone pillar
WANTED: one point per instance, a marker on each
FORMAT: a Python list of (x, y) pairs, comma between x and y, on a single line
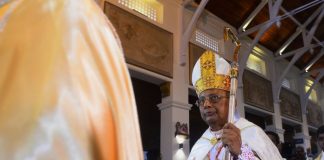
[(279, 131), (277, 121), (304, 135), (171, 113), (175, 108)]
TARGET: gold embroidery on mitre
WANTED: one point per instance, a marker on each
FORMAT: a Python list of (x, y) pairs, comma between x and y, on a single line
[(209, 78)]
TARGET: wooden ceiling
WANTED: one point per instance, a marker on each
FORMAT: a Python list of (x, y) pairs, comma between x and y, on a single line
[(236, 12)]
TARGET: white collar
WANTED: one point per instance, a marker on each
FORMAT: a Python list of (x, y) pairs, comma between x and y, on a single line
[(216, 134)]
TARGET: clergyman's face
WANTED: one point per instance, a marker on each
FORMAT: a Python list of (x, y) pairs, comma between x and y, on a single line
[(320, 141), (214, 112)]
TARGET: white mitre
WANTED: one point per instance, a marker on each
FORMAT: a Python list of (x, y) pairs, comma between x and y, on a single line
[(211, 71)]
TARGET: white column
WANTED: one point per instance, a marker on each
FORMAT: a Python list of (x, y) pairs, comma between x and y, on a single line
[(171, 113), (304, 134), (277, 121), (175, 108), (279, 131)]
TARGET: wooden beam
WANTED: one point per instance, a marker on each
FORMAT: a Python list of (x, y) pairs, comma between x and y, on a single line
[(305, 48), (299, 30), (186, 2), (252, 15), (310, 64), (299, 24), (311, 33), (245, 56)]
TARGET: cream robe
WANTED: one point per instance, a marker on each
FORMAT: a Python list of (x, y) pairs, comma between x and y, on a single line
[(251, 135), (65, 91)]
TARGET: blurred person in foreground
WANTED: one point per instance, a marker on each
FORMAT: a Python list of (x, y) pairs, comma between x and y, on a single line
[(65, 91)]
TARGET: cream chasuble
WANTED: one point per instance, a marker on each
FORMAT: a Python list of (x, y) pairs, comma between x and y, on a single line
[(65, 91)]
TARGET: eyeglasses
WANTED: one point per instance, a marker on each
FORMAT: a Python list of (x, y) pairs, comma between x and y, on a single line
[(212, 98)]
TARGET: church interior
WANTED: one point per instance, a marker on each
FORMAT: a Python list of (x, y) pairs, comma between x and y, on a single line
[(282, 60)]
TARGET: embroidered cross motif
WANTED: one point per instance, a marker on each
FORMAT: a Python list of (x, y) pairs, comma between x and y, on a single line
[(209, 81), (208, 64)]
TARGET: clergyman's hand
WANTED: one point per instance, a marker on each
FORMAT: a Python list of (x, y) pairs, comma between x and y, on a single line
[(232, 138)]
